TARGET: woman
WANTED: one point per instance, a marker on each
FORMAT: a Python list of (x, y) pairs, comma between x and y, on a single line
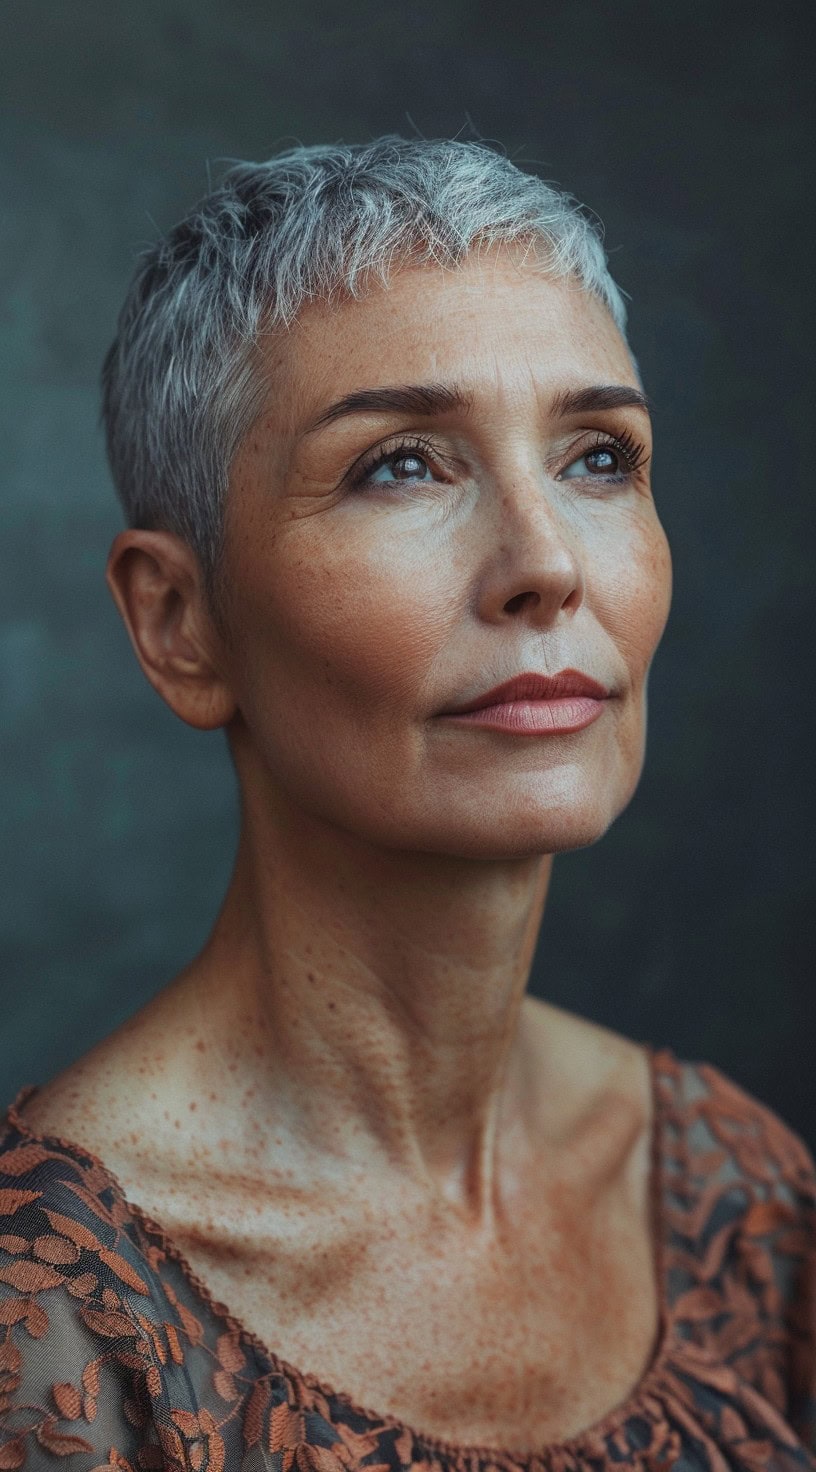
[(384, 455)]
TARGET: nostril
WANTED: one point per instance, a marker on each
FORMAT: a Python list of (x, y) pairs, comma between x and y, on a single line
[(515, 603)]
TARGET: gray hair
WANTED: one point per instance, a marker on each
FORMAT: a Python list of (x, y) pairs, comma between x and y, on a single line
[(181, 380)]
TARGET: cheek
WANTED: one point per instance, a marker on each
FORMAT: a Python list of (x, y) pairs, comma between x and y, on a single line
[(637, 598), (360, 623)]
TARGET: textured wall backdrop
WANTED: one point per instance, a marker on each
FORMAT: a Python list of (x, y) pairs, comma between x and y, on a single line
[(686, 128)]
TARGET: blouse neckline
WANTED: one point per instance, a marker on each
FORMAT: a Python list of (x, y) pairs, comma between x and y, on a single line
[(454, 1452)]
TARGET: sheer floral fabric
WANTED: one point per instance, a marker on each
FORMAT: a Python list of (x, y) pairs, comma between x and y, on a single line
[(114, 1355)]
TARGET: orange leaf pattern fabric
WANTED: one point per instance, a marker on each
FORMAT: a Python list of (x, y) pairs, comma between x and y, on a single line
[(114, 1355)]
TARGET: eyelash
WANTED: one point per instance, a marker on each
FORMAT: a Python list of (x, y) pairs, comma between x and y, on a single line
[(631, 451)]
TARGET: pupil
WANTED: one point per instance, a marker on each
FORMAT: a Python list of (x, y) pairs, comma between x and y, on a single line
[(412, 461), (607, 456)]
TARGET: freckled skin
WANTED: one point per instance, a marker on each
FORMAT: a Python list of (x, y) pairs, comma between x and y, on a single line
[(406, 1177)]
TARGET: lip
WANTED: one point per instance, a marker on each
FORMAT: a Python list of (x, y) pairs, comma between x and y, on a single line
[(531, 686), (535, 705)]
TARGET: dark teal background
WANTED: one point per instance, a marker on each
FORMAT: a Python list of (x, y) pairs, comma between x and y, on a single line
[(688, 129)]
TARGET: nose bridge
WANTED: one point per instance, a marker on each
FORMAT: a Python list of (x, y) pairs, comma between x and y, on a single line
[(536, 556), (527, 502)]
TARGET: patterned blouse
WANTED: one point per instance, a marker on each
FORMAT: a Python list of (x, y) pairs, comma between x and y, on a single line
[(113, 1354)]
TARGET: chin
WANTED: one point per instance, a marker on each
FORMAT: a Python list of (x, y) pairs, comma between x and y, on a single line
[(570, 832), (534, 813), (553, 820), (515, 833)]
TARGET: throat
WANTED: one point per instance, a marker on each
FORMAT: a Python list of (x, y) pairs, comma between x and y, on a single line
[(350, 1079)]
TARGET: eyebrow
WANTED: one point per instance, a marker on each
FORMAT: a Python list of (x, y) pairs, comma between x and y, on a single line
[(438, 398), (600, 396)]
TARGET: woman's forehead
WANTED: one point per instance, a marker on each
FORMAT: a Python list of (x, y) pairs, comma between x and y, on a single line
[(486, 328)]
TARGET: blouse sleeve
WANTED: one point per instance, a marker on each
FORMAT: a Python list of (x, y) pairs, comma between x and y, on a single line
[(789, 1237), (772, 1265), (76, 1354)]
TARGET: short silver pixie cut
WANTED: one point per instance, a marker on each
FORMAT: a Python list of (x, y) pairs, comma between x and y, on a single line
[(182, 382)]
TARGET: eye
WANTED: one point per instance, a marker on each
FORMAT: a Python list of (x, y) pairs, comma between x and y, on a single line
[(613, 458), (408, 461)]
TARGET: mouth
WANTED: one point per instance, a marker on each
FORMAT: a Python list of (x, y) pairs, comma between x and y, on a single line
[(531, 686), (535, 705)]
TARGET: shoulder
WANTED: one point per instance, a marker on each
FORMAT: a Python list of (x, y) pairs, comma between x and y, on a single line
[(739, 1239), (739, 1189), (110, 1352), (43, 1176), (725, 1134), (87, 1319), (588, 1067)]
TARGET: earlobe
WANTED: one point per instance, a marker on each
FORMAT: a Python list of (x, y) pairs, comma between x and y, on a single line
[(155, 583)]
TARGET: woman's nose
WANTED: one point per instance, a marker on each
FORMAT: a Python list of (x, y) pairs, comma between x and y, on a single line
[(537, 563)]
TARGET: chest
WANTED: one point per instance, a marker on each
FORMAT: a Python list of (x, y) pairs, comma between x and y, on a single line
[(525, 1339)]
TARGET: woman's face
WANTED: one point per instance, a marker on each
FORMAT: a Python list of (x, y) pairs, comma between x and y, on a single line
[(366, 598)]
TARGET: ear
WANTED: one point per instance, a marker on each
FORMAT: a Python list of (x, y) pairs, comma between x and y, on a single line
[(156, 583)]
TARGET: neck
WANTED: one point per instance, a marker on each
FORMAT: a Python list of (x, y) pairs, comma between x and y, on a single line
[(375, 998)]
